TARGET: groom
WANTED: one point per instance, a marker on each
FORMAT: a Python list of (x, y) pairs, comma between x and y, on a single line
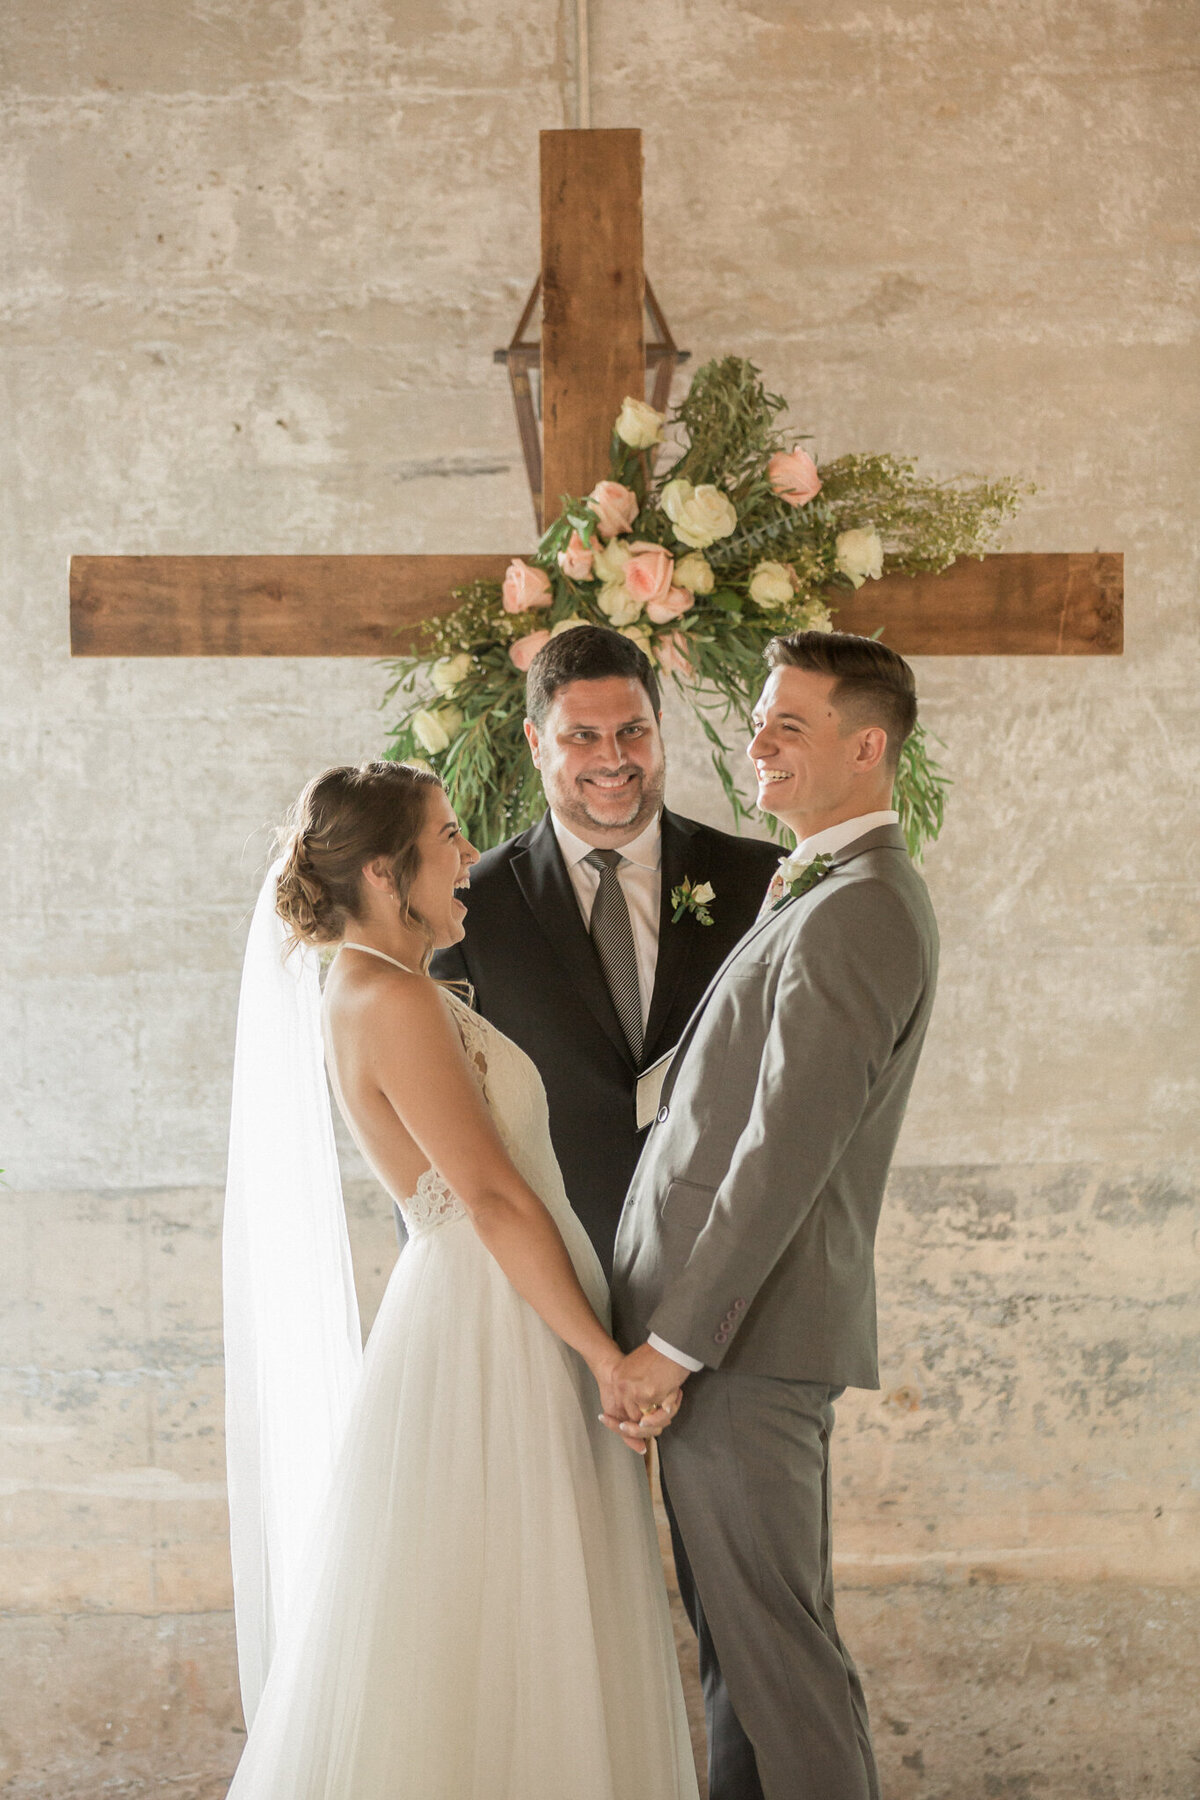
[(744, 1261), (572, 944)]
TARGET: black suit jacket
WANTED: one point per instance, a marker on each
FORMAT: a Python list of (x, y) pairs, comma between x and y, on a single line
[(537, 978)]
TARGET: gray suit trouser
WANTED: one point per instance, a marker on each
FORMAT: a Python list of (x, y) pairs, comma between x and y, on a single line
[(746, 1469)]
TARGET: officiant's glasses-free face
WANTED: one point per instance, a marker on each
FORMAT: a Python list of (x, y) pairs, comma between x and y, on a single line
[(601, 758)]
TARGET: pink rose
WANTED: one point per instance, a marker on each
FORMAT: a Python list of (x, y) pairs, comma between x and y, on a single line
[(649, 572), (793, 475), (671, 652), (576, 560), (674, 603), (525, 587), (526, 648), (615, 507)]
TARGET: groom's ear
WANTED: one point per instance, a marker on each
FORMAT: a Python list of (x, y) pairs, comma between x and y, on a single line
[(872, 749), (531, 738)]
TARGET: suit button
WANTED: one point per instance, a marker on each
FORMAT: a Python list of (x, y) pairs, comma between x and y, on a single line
[(663, 1113), (720, 1337), (739, 1306)]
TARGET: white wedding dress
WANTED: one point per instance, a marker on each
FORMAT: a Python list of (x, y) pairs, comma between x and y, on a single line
[(483, 1612)]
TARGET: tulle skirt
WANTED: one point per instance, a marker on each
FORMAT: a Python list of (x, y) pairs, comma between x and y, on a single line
[(484, 1616)]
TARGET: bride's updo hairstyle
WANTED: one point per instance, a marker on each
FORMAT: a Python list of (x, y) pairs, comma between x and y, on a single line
[(344, 819)]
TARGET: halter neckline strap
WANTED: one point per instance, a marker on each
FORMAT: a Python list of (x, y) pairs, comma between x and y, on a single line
[(381, 954)]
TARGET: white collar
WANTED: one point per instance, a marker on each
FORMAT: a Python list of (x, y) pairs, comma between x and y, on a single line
[(645, 850), (836, 837)]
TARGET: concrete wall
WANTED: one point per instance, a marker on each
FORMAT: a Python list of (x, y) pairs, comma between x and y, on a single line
[(254, 264)]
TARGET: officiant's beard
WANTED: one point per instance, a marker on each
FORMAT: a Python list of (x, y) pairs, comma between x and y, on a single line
[(570, 802)]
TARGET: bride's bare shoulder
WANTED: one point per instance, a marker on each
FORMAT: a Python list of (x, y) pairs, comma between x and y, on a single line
[(368, 988)]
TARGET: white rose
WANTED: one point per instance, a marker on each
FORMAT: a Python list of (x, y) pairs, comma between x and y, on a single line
[(566, 625), (816, 617), (618, 604), (859, 554), (700, 515), (608, 564), (448, 671), (771, 584), (432, 729), (704, 893), (792, 867), (637, 636), (638, 425), (695, 574)]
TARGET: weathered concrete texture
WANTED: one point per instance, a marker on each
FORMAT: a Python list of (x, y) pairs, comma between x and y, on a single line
[(1044, 1689), (254, 265), (1015, 1509), (122, 1706)]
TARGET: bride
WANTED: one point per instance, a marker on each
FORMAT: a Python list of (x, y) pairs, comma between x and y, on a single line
[(479, 1607)]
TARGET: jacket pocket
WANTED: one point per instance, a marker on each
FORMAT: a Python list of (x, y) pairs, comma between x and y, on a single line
[(687, 1204)]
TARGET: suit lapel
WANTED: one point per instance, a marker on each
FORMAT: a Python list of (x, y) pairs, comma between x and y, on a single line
[(541, 874), (680, 855), (883, 837)]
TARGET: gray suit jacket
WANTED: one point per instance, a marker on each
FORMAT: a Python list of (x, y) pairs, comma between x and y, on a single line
[(748, 1235)]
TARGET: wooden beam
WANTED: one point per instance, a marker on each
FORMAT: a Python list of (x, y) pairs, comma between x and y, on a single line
[(1008, 605), (262, 605), (592, 298), (1024, 605)]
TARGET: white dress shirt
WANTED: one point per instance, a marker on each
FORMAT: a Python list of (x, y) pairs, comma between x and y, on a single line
[(821, 843), (836, 837), (641, 884)]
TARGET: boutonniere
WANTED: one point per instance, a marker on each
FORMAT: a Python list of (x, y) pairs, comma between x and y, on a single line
[(687, 898), (794, 876)]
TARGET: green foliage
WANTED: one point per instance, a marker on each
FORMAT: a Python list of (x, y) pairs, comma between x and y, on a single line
[(729, 430), (728, 418)]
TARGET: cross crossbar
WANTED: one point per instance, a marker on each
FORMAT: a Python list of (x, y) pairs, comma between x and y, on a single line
[(1007, 605), (593, 292)]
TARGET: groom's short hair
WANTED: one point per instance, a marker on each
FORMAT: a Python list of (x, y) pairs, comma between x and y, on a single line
[(872, 684), (585, 653)]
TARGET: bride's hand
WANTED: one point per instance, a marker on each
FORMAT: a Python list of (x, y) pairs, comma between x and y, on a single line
[(613, 1410), (647, 1424)]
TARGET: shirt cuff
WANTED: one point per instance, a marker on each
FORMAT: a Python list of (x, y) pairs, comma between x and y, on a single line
[(685, 1362)]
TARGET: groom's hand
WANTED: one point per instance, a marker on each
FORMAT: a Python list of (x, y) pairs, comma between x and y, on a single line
[(644, 1393)]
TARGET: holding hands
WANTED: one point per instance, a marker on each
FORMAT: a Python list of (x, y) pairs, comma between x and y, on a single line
[(640, 1394)]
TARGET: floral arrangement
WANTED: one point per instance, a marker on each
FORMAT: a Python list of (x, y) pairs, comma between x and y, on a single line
[(743, 537)]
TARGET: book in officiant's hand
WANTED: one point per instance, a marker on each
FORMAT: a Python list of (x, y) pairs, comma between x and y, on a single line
[(649, 1089)]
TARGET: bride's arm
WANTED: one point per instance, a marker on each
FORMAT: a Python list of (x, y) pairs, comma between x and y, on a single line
[(421, 1068)]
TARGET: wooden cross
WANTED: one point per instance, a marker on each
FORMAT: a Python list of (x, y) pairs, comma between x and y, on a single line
[(593, 289)]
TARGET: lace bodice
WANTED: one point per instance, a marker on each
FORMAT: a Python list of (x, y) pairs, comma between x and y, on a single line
[(433, 1203), (516, 1099), (513, 1092)]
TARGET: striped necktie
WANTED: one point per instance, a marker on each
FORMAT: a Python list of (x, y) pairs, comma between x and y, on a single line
[(612, 935)]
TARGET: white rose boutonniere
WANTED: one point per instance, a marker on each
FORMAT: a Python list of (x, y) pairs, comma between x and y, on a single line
[(794, 876), (694, 899)]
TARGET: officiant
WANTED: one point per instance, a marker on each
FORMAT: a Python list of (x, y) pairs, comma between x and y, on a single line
[(592, 935)]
